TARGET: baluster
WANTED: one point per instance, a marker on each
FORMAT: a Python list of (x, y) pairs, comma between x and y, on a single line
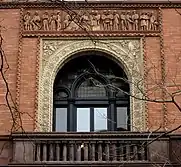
[(107, 151), (65, 152), (142, 150), (45, 152), (93, 151), (128, 156), (71, 149), (85, 152), (57, 151), (121, 152), (100, 152), (78, 152), (51, 152), (135, 152), (38, 152), (114, 155)]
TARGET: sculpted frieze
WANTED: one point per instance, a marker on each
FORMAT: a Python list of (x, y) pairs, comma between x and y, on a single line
[(91, 20)]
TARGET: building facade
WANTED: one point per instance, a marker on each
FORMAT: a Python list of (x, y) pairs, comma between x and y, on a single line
[(90, 83)]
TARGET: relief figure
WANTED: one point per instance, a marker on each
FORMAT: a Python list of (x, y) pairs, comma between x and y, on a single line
[(144, 21), (95, 20), (59, 25), (85, 21), (135, 18), (107, 19), (115, 20), (153, 22), (66, 21), (129, 21), (27, 22), (53, 22), (45, 20), (123, 21), (36, 22)]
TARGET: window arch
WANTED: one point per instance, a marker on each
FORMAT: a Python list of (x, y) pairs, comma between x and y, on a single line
[(91, 94)]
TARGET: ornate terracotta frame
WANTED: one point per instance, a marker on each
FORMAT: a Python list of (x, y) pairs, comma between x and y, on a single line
[(55, 53)]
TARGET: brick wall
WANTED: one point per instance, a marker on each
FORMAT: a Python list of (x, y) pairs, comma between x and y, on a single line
[(172, 47), (172, 39), (10, 32)]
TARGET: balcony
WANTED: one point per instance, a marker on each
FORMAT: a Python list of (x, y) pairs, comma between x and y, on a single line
[(94, 149)]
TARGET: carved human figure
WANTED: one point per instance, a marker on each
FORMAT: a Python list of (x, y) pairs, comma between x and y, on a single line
[(95, 20), (129, 21), (153, 22), (45, 20), (144, 21), (27, 21), (115, 20), (53, 22), (59, 22), (123, 21), (66, 21), (98, 17), (107, 19), (36, 21), (147, 20), (135, 18), (70, 22), (84, 21)]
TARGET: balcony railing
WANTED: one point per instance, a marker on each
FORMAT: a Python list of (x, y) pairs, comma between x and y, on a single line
[(90, 148)]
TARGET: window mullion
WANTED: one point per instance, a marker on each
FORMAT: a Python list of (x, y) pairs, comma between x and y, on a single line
[(112, 115), (72, 117), (92, 119)]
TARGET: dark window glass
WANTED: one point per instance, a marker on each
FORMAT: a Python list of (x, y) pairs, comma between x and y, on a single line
[(88, 92), (91, 88), (122, 118), (83, 119), (100, 119), (61, 120)]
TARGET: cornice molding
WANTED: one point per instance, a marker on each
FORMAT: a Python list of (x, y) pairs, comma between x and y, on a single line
[(79, 5)]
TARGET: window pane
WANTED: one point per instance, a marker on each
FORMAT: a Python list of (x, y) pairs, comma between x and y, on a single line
[(83, 119), (100, 119), (61, 120), (122, 118), (89, 89)]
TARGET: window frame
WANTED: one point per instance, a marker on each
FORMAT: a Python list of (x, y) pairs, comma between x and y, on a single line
[(72, 102)]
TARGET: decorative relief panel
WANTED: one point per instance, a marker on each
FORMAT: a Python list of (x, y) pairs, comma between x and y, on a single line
[(102, 21), (56, 52)]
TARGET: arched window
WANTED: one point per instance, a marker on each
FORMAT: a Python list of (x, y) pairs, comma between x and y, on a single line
[(91, 93)]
